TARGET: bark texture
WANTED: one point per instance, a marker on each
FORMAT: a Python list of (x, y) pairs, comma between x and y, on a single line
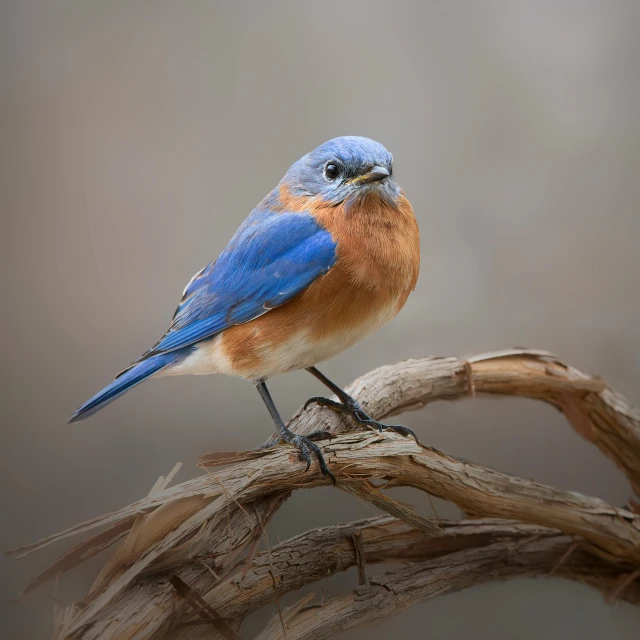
[(186, 562)]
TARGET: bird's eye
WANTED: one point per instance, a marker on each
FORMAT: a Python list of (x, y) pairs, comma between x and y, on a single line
[(331, 170)]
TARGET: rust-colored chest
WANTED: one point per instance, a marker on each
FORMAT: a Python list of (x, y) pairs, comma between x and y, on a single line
[(378, 259)]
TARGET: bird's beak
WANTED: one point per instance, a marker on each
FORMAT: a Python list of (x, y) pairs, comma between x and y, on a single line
[(376, 174)]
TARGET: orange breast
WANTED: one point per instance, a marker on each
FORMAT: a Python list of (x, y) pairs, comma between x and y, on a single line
[(378, 259)]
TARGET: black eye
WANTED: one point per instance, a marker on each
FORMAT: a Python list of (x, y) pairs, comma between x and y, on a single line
[(331, 170)]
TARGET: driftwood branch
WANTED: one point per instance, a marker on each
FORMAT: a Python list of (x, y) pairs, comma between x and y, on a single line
[(198, 534), (509, 554), (464, 553), (390, 593)]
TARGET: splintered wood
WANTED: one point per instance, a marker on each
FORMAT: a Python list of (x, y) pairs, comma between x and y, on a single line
[(186, 563)]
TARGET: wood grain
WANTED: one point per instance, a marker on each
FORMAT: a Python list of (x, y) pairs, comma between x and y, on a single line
[(200, 530)]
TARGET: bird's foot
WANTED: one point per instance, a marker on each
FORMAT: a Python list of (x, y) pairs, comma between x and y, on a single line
[(308, 448), (351, 407)]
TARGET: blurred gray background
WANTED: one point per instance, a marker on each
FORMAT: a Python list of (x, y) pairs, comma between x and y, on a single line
[(136, 136)]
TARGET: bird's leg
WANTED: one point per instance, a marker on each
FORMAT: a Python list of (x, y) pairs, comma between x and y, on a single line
[(304, 444), (351, 407)]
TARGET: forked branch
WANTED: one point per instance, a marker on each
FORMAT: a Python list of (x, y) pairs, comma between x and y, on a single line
[(465, 553), (197, 533)]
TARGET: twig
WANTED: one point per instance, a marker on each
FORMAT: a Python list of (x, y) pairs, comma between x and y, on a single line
[(623, 583), (563, 558), (203, 609)]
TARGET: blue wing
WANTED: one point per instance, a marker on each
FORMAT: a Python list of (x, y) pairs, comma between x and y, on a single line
[(271, 258)]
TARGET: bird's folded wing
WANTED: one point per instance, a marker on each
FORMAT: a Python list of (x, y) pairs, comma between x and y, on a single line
[(271, 258)]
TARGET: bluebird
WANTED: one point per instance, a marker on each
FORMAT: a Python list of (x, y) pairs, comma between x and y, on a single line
[(327, 258)]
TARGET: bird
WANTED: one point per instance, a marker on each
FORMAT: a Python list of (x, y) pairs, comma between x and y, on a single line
[(329, 256)]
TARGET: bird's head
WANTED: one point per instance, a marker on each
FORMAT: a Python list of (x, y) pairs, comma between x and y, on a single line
[(342, 168)]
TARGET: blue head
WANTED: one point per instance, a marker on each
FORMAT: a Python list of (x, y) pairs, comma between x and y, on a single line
[(341, 168)]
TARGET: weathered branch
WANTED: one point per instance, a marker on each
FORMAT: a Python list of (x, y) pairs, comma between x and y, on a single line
[(393, 592), (217, 517), (597, 412), (523, 549)]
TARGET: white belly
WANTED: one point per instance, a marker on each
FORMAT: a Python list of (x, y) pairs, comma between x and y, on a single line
[(297, 352)]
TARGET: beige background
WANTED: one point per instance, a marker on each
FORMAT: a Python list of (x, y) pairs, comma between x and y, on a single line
[(136, 136)]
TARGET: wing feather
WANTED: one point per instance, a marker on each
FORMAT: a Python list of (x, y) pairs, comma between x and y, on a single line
[(271, 258)]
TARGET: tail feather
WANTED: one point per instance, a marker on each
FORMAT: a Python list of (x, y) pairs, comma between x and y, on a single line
[(136, 374)]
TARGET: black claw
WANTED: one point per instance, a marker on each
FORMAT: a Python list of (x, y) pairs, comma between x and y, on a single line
[(374, 424), (304, 444), (398, 428), (314, 400), (326, 472), (404, 431), (306, 447), (352, 408), (326, 402)]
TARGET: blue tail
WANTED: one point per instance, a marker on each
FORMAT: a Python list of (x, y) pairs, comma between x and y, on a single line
[(136, 374)]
